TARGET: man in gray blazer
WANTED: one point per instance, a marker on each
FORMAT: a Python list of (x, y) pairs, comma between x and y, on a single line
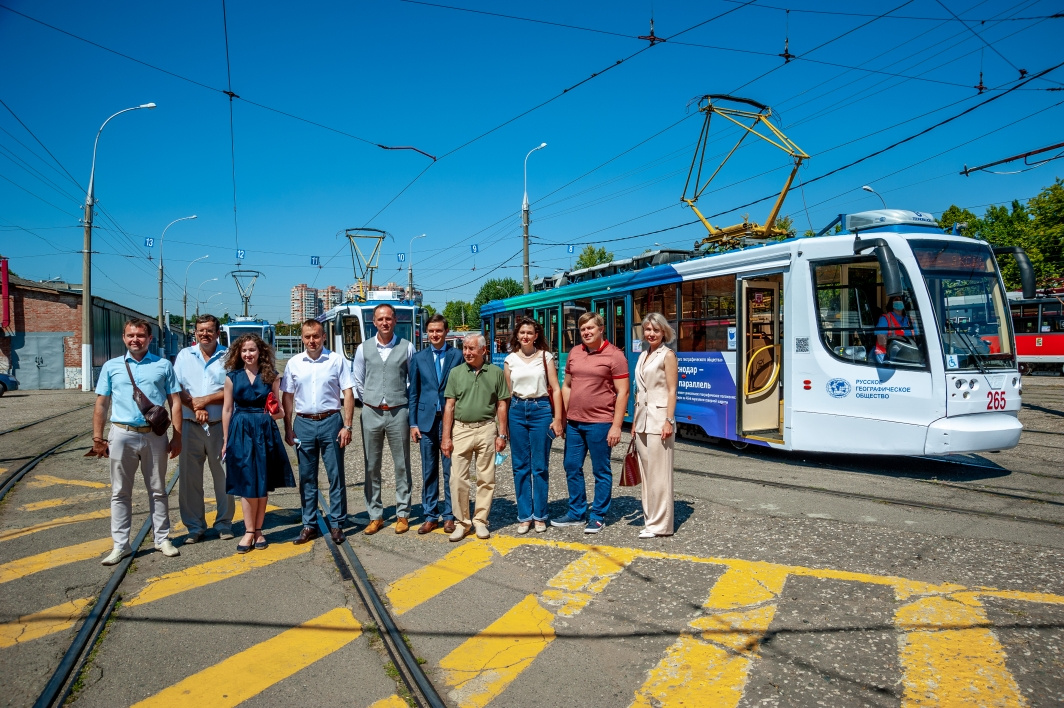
[(429, 370), (381, 372)]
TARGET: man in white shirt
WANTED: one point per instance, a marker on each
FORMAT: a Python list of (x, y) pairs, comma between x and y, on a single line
[(200, 370), (312, 387), (381, 370)]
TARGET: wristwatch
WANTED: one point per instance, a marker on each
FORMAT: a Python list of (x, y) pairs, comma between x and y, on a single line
[(672, 421), (349, 428), (503, 437)]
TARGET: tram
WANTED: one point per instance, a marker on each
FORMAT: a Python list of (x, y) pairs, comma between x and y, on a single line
[(780, 344), (349, 324), (1039, 326), (247, 325)]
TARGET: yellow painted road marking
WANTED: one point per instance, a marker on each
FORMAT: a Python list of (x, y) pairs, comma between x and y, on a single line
[(63, 501), (250, 672), (425, 583), (712, 669), (483, 666), (392, 701), (41, 624), (20, 568), (47, 480), (54, 523), (950, 657), (214, 571), (238, 515)]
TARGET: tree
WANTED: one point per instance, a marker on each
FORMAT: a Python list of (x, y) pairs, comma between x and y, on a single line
[(786, 225), (429, 310), (956, 215), (496, 289), (592, 256), (224, 319), (461, 315)]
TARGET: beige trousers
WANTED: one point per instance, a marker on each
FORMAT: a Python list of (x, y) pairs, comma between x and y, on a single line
[(655, 466), (473, 440)]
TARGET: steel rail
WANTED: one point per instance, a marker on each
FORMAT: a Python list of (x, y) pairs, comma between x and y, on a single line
[(27, 425), (59, 686), (413, 676), (14, 477)]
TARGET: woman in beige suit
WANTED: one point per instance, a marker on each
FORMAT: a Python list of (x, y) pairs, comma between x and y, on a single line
[(654, 425)]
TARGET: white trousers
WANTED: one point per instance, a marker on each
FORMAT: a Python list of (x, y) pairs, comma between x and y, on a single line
[(149, 451)]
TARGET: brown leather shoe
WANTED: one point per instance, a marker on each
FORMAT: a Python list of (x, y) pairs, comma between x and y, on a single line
[(337, 535), (374, 526), (448, 526), (402, 524), (308, 533), (427, 527)]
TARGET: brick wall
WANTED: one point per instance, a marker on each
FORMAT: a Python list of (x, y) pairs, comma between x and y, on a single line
[(45, 312)]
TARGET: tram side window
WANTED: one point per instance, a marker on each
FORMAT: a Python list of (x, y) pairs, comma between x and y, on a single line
[(1025, 319), (707, 310), (352, 334), (503, 328), (660, 298), (571, 312), (1052, 319), (854, 321)]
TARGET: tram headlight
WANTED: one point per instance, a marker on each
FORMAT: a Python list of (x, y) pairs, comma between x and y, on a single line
[(1015, 381), (972, 384), (958, 383)]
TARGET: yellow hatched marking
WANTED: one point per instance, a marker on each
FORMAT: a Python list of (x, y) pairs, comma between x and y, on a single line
[(429, 581), (54, 523), (41, 624), (250, 672), (483, 666), (711, 667), (63, 501), (950, 657), (392, 701), (238, 515), (214, 571), (20, 568), (47, 480)]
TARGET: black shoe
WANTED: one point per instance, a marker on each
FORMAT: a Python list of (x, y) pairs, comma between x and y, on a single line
[(309, 533)]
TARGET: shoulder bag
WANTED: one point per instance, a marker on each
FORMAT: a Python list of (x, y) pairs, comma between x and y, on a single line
[(156, 416), (550, 391), (631, 477)]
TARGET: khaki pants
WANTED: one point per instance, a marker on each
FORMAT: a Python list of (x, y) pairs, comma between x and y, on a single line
[(201, 447), (473, 440)]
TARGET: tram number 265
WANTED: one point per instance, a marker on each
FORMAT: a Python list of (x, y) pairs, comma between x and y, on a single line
[(995, 400)]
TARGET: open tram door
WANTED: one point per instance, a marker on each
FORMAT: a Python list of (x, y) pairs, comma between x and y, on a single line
[(759, 360)]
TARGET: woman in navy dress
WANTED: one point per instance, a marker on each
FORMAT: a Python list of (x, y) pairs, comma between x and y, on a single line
[(256, 461)]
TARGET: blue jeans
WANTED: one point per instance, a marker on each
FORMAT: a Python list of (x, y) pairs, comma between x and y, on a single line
[(319, 437), (431, 468), (530, 419), (580, 439)]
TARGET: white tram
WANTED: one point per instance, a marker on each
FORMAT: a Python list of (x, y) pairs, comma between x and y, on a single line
[(238, 326), (350, 324), (781, 344)]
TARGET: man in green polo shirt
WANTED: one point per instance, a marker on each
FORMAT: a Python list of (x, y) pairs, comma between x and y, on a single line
[(474, 424)]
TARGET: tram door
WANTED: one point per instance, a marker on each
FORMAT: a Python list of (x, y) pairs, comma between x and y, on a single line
[(612, 313), (759, 372)]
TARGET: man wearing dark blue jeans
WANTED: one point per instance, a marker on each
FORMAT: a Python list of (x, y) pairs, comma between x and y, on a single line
[(595, 393)]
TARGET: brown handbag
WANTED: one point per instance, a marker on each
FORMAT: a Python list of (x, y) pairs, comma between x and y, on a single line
[(631, 477), (156, 416)]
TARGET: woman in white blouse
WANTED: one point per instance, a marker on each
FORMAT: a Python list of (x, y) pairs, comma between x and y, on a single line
[(535, 417), (654, 423)]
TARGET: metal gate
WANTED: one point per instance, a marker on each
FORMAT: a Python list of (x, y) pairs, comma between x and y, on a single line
[(38, 360)]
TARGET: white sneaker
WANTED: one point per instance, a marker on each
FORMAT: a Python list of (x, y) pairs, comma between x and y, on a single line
[(482, 531), (524, 526), (167, 549), (459, 533), (116, 555)]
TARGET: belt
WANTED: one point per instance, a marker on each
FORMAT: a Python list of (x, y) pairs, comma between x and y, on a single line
[(532, 398), (317, 416), (480, 424), (133, 428), (385, 408)]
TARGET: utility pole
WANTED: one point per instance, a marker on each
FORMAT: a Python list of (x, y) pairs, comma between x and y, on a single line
[(524, 219)]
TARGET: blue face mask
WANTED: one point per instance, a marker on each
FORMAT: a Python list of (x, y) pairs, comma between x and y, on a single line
[(899, 305)]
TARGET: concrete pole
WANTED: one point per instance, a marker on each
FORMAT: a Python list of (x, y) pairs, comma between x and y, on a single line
[(524, 219)]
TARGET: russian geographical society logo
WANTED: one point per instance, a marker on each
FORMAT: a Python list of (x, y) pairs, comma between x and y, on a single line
[(838, 388)]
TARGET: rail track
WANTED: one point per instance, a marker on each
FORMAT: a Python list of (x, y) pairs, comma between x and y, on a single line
[(46, 418), (14, 477)]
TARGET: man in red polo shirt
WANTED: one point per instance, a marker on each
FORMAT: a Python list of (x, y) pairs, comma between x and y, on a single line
[(595, 393)]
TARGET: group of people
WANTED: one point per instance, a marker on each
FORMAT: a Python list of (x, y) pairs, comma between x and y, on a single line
[(462, 410)]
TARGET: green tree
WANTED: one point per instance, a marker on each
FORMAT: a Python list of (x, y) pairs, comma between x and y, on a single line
[(1047, 232), (592, 256), (956, 215), (461, 315), (429, 310), (786, 225), (496, 289)]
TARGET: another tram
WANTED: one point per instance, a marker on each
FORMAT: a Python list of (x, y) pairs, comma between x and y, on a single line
[(1039, 326), (783, 344), (350, 324), (247, 325)]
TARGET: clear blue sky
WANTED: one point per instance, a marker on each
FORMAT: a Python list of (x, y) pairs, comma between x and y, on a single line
[(413, 74)]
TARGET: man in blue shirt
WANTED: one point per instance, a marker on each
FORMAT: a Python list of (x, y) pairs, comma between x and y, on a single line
[(131, 441), (200, 369)]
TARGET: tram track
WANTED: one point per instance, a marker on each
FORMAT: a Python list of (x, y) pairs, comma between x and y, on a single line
[(42, 420), (12, 479)]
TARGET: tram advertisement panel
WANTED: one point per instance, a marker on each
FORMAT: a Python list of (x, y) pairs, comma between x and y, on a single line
[(705, 395)]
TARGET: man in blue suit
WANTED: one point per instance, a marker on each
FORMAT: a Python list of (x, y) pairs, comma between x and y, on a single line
[(429, 369)]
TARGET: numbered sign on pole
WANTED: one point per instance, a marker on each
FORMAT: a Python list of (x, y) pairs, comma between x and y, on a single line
[(474, 248), (315, 261), (240, 254), (149, 242), (571, 249), (402, 257)]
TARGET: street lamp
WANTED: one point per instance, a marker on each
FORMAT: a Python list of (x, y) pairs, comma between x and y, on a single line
[(869, 189), (410, 268), (524, 216), (200, 290), (184, 297), (86, 263), (161, 329)]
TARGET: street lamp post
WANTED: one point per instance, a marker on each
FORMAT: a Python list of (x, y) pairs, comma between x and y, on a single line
[(410, 268), (162, 327), (524, 217), (199, 290), (184, 300), (86, 263), (881, 199)]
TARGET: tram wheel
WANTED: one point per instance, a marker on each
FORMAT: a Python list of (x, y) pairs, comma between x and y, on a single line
[(739, 444), (1025, 369)]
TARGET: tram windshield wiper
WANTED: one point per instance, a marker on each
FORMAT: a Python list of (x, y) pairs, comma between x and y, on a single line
[(966, 339)]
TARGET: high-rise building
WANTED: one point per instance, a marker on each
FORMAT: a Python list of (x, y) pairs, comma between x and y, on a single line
[(351, 293), (330, 297), (304, 303)]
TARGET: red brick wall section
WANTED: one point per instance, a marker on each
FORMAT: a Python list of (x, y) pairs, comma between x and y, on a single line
[(46, 312)]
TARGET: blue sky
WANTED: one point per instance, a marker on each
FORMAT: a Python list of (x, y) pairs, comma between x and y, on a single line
[(436, 78)]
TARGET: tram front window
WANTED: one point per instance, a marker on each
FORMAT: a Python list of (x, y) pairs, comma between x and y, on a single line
[(969, 303), (404, 323)]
